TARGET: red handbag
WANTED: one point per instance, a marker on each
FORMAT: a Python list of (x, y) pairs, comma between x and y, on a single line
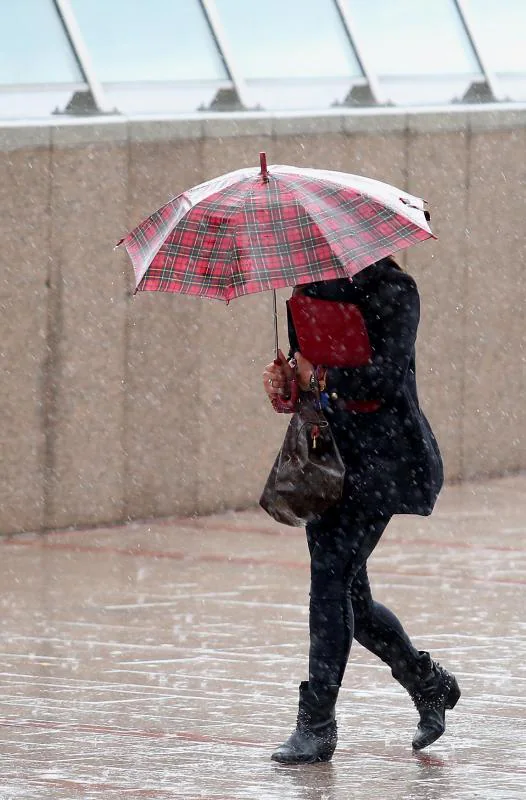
[(330, 333)]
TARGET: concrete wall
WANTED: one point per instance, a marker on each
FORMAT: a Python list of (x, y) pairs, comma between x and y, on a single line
[(116, 407)]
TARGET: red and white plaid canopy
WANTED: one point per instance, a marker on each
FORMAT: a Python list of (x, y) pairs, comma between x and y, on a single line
[(249, 230)]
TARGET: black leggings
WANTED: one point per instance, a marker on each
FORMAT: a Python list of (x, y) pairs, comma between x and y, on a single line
[(342, 606)]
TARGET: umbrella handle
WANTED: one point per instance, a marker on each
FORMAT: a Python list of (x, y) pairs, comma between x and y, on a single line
[(287, 406)]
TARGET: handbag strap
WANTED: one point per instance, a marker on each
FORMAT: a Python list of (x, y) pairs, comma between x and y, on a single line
[(318, 422)]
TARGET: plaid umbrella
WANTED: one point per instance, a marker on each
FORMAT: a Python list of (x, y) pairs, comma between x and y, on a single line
[(253, 230)]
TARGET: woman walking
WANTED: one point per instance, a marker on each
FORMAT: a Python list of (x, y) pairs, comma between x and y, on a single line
[(393, 466)]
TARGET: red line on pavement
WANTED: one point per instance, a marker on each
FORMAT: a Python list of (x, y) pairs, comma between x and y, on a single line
[(124, 791), (128, 791), (202, 525), (139, 551), (186, 736), (228, 559), (454, 545), (143, 733), (282, 530)]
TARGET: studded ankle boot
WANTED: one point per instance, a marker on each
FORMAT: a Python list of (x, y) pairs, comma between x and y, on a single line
[(316, 734), (432, 694)]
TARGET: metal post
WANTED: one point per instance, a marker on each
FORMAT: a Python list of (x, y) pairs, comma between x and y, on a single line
[(216, 25), (82, 54), (370, 75), (491, 78)]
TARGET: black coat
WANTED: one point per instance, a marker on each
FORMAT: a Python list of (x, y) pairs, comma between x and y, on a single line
[(392, 457)]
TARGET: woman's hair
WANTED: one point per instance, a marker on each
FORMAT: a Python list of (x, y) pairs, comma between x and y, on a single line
[(333, 289)]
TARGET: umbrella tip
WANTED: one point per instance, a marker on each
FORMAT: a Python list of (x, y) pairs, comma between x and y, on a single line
[(263, 164)]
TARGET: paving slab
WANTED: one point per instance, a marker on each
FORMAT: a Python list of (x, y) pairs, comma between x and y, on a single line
[(161, 659)]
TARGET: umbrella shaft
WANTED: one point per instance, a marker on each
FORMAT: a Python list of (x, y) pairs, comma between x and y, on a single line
[(275, 311)]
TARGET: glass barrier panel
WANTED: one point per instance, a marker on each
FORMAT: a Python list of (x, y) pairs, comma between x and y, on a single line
[(419, 50), (282, 39), (499, 28), (34, 47), (158, 40)]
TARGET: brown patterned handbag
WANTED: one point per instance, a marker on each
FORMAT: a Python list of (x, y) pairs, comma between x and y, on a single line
[(308, 473)]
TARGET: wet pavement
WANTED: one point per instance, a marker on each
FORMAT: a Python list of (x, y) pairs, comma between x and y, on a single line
[(161, 659)]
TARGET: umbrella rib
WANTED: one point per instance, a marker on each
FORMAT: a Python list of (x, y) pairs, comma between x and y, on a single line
[(240, 211)]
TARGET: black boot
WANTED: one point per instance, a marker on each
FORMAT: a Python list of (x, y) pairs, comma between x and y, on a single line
[(432, 694), (316, 734)]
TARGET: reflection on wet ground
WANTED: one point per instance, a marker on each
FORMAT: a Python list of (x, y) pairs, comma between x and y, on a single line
[(161, 660)]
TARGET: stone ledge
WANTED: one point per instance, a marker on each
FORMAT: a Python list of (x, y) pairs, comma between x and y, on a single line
[(495, 119), (20, 137), (433, 122), (92, 130), (163, 130), (376, 121)]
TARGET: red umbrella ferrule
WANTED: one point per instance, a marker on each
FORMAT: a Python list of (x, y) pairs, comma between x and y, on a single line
[(263, 164)]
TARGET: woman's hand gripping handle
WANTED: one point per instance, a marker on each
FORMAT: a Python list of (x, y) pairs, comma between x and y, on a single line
[(280, 384)]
